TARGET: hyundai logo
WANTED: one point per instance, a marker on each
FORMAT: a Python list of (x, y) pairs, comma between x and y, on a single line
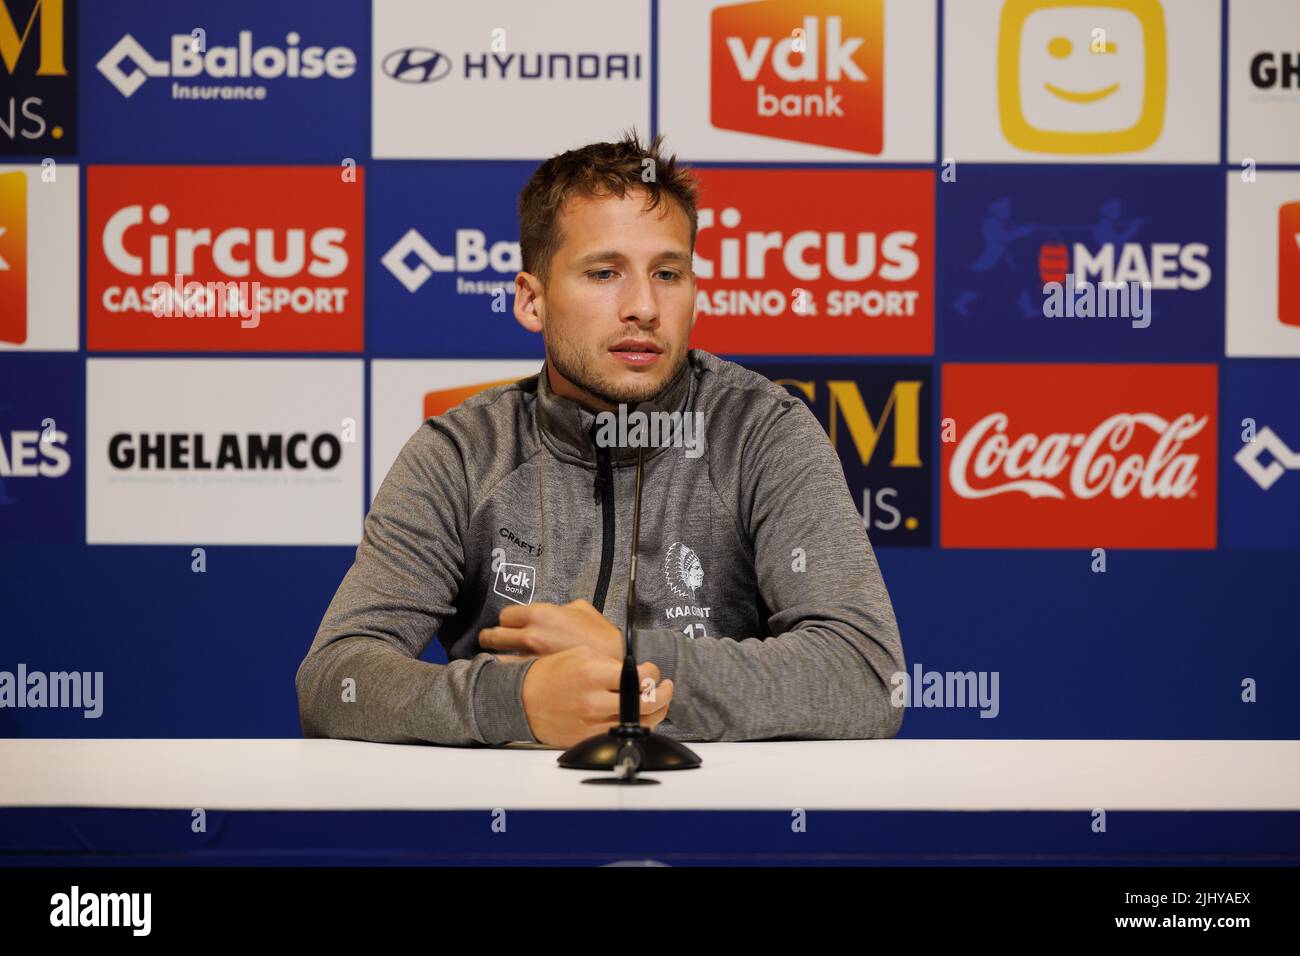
[(416, 65)]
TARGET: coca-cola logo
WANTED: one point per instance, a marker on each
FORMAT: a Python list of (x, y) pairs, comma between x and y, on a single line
[(1107, 460)]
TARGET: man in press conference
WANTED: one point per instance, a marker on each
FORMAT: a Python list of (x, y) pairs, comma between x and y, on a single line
[(504, 525)]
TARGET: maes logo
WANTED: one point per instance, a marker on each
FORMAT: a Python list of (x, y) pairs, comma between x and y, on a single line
[(128, 64), (32, 454), (1107, 255), (816, 75), (41, 470), (37, 44)]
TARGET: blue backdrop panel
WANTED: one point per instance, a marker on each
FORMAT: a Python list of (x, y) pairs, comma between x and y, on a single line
[(1008, 229), (1156, 647), (301, 118), (1267, 394), (42, 412), (455, 229)]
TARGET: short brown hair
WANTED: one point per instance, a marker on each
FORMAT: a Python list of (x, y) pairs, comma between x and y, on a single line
[(594, 170)]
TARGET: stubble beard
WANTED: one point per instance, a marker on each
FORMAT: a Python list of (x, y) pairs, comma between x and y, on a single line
[(579, 367)]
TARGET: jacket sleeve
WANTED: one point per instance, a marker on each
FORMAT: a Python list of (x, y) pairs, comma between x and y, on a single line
[(361, 678), (825, 671)]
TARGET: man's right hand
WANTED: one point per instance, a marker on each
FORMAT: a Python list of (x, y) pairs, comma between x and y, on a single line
[(573, 694)]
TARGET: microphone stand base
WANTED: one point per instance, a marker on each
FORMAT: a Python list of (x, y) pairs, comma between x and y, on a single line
[(648, 750)]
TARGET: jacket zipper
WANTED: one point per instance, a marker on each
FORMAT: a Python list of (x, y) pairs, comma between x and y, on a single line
[(604, 490)]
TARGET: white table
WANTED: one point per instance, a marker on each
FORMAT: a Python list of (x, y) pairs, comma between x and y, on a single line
[(1055, 784), (828, 775)]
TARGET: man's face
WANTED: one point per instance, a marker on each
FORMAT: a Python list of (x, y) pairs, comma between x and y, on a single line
[(618, 309)]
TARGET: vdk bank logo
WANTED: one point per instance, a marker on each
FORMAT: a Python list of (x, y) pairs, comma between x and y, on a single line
[(514, 582), (127, 65), (1082, 77), (806, 72), (38, 105), (13, 257)]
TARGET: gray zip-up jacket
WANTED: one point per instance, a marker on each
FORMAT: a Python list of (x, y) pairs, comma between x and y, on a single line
[(757, 590)]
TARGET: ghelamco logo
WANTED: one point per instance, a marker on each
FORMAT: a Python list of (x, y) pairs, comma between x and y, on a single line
[(128, 65)]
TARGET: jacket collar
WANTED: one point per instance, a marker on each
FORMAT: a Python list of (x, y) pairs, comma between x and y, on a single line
[(568, 429)]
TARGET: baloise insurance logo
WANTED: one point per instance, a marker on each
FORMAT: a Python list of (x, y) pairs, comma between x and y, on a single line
[(235, 72), (233, 82)]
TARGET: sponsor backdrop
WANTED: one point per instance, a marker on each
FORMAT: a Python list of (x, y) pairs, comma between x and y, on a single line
[(1034, 265)]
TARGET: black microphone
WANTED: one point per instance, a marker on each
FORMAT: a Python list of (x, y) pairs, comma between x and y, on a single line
[(631, 747)]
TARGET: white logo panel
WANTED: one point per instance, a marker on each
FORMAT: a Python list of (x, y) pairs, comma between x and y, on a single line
[(198, 451)]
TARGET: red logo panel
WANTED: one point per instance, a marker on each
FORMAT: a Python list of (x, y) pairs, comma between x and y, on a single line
[(224, 258), (1288, 263), (801, 71), (815, 262), (13, 257), (1079, 456)]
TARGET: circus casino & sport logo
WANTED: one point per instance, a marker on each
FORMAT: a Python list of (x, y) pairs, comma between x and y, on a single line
[(815, 262), (262, 258)]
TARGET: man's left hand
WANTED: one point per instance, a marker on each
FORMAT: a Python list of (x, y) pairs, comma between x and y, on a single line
[(533, 630)]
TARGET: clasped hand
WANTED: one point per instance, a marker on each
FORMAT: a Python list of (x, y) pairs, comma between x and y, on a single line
[(570, 692)]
